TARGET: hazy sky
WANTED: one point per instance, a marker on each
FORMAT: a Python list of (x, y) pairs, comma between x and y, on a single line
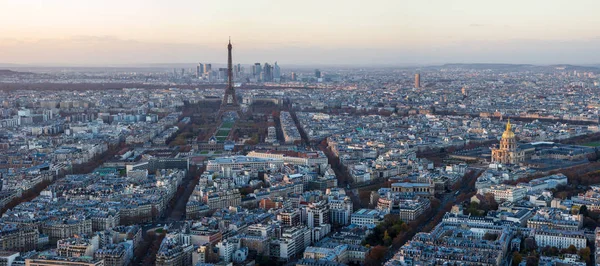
[(396, 32)]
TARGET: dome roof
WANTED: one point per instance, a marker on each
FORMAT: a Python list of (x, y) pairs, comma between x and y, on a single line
[(508, 132)]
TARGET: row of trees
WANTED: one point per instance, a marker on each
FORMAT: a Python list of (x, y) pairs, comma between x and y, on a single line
[(584, 174), (591, 220), (376, 255), (393, 233), (341, 171), (530, 252), (386, 231), (394, 230), (438, 216), (577, 140), (94, 163), (532, 258), (439, 154), (98, 160), (154, 239), (26, 196), (186, 132), (486, 203), (467, 182)]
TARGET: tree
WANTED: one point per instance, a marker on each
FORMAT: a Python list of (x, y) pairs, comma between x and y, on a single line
[(530, 244), (404, 227), (583, 211), (572, 249), (575, 210), (247, 190), (589, 223), (490, 236), (489, 202), (554, 251), (584, 254), (395, 229), (391, 219), (376, 255), (550, 251), (516, 259), (532, 261), (262, 260), (387, 240), (474, 209)]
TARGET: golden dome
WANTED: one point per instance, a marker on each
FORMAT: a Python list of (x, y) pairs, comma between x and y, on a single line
[(508, 135), (508, 132)]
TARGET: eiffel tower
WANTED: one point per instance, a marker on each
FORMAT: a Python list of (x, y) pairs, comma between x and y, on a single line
[(230, 103)]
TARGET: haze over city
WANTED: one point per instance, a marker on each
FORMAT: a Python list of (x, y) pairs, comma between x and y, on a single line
[(299, 133), (382, 32)]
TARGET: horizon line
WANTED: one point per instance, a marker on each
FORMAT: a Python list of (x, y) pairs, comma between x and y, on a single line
[(358, 65)]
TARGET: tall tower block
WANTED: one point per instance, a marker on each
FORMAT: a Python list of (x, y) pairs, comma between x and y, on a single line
[(417, 80)]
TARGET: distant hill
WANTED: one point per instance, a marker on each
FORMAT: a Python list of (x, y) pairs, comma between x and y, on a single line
[(7, 72), (11, 65), (575, 67), (488, 66), (521, 66)]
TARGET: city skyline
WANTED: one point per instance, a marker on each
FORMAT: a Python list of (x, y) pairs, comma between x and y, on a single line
[(73, 33), (299, 133)]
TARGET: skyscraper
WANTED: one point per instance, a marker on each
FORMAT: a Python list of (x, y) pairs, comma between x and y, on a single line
[(207, 68), (199, 70), (256, 70), (276, 72), (237, 71), (267, 73), (223, 74), (417, 80), (317, 73)]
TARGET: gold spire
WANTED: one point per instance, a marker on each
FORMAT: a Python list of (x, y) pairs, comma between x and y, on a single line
[(508, 132)]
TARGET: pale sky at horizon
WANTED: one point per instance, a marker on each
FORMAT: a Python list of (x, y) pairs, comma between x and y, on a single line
[(394, 32)]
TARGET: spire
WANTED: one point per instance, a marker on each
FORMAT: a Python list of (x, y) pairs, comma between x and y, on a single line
[(229, 65), (508, 125)]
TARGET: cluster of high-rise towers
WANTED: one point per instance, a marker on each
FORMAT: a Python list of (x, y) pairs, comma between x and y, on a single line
[(258, 73)]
